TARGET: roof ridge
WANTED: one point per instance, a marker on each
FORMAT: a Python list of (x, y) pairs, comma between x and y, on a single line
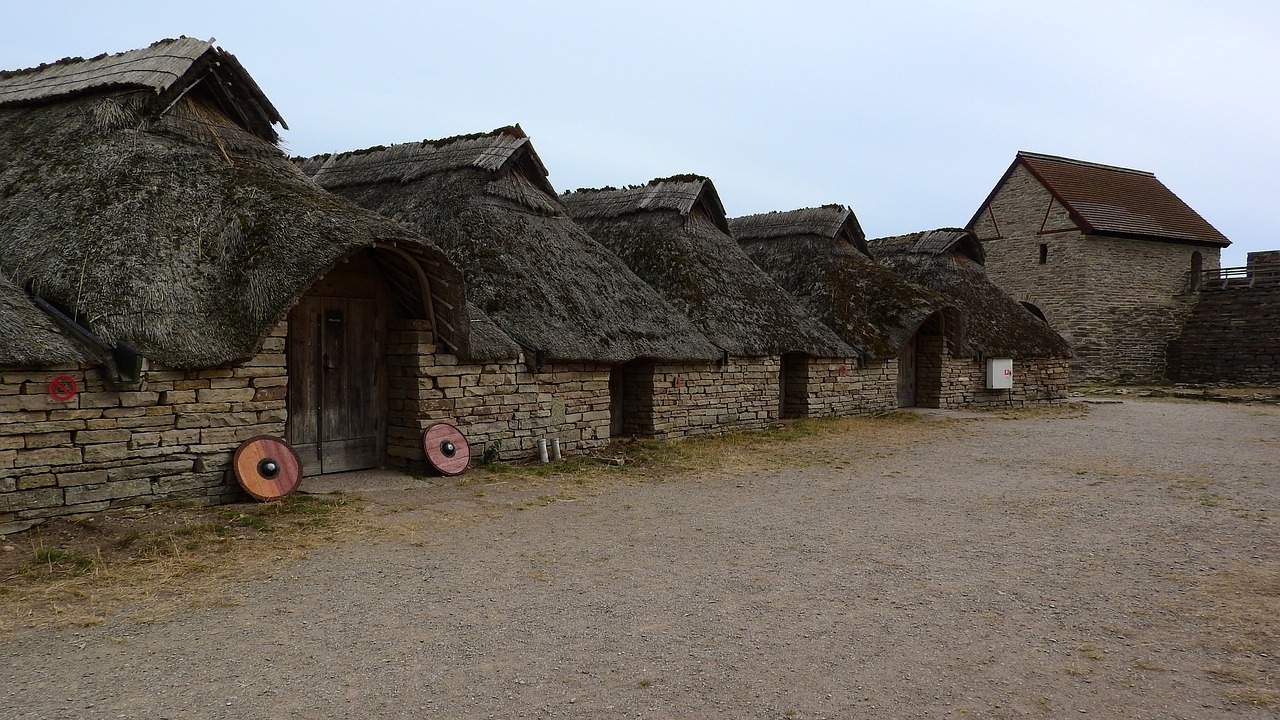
[(1082, 163), (73, 60)]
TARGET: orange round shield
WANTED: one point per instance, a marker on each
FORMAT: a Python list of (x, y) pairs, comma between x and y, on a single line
[(266, 468), (446, 448)]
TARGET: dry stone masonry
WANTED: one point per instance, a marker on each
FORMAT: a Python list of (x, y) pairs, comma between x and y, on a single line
[(1117, 301), (169, 438)]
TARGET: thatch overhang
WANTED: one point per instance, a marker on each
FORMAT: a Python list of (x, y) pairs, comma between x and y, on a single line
[(30, 337), (185, 236), (819, 255), (486, 201), (1111, 201), (165, 71), (673, 233), (950, 262)]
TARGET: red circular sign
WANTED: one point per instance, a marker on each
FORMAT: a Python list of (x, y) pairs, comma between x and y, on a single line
[(63, 388)]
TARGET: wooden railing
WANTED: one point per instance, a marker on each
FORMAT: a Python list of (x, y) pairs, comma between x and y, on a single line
[(1240, 277)]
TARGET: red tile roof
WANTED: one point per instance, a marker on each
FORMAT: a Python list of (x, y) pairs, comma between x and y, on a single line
[(1106, 200)]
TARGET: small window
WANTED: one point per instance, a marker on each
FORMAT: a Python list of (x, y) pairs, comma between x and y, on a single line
[(1197, 269), (1044, 253)]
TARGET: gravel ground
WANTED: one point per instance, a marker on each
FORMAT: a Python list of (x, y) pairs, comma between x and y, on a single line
[(1117, 563)]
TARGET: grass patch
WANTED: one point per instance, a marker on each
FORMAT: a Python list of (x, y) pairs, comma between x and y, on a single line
[(148, 558)]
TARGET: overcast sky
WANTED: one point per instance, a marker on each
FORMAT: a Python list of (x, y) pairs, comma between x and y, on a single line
[(908, 112)]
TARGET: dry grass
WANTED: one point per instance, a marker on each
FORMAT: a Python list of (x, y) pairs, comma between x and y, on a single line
[(155, 560), (1240, 609)]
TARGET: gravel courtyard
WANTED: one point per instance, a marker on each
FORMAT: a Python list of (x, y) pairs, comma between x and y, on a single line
[(1118, 561)]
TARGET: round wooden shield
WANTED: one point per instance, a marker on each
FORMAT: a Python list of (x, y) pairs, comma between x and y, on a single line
[(447, 449), (266, 467)]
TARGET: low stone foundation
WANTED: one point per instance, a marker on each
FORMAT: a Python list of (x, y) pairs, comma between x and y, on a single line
[(840, 387), (169, 438), (505, 405), (682, 400), (962, 383)]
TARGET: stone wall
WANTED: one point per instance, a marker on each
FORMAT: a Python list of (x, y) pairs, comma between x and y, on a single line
[(1117, 301), (834, 387), (1233, 336), (945, 381), (498, 402), (171, 437), (681, 400)]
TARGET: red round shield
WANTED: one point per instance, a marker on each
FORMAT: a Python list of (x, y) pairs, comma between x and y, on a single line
[(266, 467), (446, 448)]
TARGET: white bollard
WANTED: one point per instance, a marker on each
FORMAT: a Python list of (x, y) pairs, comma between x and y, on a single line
[(542, 449), (555, 449)]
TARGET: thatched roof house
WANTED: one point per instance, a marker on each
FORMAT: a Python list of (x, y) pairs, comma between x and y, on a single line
[(144, 195), (486, 200), (820, 256), (950, 262), (673, 233)]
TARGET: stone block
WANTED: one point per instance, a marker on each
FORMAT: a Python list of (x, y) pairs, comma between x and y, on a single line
[(148, 470), (106, 452), (45, 440), (108, 491), (82, 477), (48, 456), (30, 499), (87, 437), (225, 395), (138, 399)]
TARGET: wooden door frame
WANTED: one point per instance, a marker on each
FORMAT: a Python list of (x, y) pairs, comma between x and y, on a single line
[(340, 283)]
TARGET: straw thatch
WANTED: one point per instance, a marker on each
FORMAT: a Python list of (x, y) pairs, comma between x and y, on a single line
[(177, 230), (819, 255), (27, 335), (486, 201), (951, 262), (673, 233), (167, 69)]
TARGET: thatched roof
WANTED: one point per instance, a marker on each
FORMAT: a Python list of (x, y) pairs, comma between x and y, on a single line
[(683, 194), (950, 262), (672, 233), (485, 199), (1114, 201), (165, 70), (184, 236), (819, 255), (27, 335), (829, 221)]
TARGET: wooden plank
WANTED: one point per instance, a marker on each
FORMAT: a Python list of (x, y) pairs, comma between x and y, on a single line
[(907, 374), (303, 367)]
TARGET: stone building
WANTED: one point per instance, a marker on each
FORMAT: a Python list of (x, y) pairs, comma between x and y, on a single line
[(820, 256), (1108, 256), (995, 327), (578, 316), (171, 285), (673, 233)]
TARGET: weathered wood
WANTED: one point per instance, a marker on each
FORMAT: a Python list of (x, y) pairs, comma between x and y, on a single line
[(907, 374), (266, 468), (336, 377), (446, 449)]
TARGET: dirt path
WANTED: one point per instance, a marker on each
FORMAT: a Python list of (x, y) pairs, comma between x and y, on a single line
[(1120, 563)]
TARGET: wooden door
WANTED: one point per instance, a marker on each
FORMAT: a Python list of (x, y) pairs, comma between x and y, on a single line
[(907, 374), (335, 418)]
